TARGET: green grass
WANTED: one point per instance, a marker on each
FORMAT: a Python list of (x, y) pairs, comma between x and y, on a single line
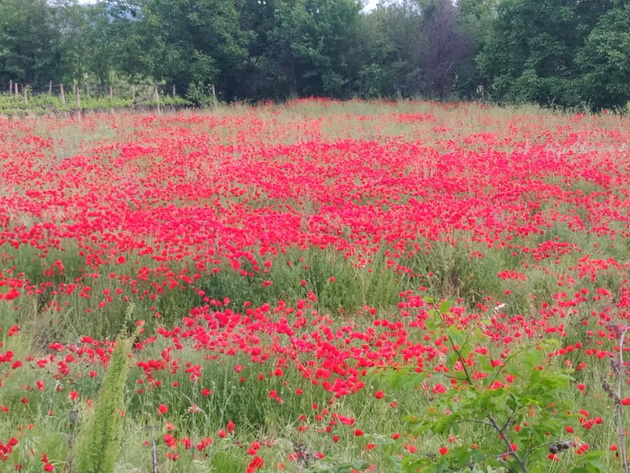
[(445, 270)]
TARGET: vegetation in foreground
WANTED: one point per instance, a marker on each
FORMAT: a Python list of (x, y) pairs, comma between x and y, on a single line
[(316, 287)]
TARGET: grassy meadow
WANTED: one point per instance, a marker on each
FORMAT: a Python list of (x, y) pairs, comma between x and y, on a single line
[(315, 287)]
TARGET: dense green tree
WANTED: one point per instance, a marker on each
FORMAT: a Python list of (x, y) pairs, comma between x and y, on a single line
[(377, 53), (129, 38), (257, 78), (443, 47), (312, 42), (199, 42), (530, 52), (605, 61), (413, 48), (474, 19), (75, 36), (29, 43), (102, 43), (400, 46), (552, 52), (190, 44)]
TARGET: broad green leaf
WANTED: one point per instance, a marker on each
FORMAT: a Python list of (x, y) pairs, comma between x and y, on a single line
[(457, 336), (594, 463), (445, 307), (532, 359), (433, 322)]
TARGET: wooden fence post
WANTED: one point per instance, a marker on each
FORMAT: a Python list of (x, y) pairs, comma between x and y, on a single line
[(50, 88), (63, 96), (174, 90), (10, 86), (78, 91), (214, 96), (17, 89), (25, 93), (157, 98)]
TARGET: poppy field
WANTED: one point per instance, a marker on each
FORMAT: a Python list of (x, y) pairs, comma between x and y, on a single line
[(315, 287)]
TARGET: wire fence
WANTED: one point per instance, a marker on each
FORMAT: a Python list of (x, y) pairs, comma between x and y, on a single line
[(25, 91), (16, 97)]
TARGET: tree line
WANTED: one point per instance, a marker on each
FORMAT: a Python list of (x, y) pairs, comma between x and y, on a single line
[(560, 53)]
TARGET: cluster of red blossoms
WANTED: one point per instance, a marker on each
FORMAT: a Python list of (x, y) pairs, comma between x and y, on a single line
[(158, 206)]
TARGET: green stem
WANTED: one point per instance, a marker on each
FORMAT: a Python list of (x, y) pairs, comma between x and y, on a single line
[(468, 378)]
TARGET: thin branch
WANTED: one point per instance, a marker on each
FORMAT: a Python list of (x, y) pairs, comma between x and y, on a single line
[(507, 424), (500, 369), (506, 440), (458, 353)]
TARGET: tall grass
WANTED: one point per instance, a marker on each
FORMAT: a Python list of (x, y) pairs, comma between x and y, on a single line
[(354, 293)]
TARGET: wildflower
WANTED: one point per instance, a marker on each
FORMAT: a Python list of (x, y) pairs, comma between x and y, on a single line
[(255, 464)]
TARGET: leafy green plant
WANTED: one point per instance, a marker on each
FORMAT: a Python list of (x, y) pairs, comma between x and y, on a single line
[(200, 94), (510, 412), (100, 436)]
